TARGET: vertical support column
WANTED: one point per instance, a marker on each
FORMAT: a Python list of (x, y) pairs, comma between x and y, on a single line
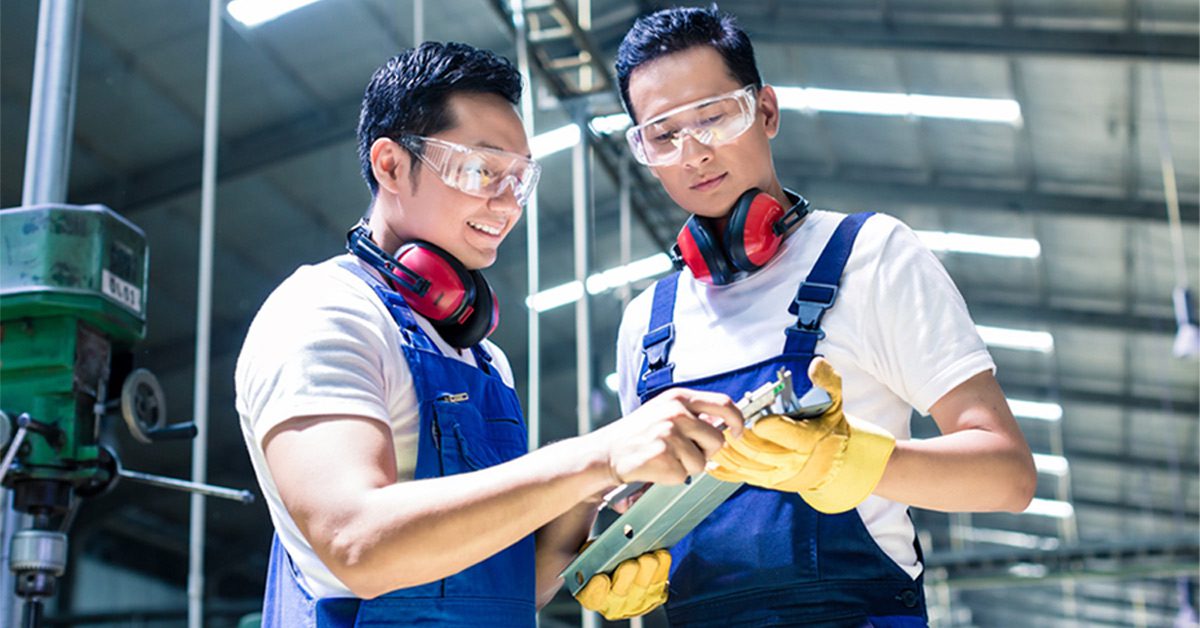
[(47, 164), (52, 103), (208, 191), (418, 22), (532, 251), (625, 222), (581, 192), (581, 187)]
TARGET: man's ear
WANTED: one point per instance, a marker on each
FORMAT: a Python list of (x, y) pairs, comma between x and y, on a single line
[(768, 104), (389, 164)]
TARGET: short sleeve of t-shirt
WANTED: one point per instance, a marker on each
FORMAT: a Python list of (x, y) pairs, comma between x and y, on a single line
[(307, 356), (918, 334)]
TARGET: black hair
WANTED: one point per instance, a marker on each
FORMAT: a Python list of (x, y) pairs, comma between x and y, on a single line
[(674, 30), (408, 93)]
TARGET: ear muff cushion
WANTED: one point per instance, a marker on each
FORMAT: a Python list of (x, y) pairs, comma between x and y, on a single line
[(702, 253), (750, 234), (479, 323), (451, 289)]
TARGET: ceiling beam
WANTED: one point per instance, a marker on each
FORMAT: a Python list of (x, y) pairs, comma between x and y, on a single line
[(984, 304), (800, 28), (236, 157), (883, 190), (245, 154), (1189, 407)]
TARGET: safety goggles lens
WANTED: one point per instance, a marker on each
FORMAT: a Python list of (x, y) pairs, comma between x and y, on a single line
[(711, 121), (482, 172)]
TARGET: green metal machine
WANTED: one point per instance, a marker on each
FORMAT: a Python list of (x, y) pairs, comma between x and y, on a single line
[(72, 305), (73, 285)]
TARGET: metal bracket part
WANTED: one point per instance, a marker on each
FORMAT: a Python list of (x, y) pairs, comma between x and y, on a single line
[(665, 514)]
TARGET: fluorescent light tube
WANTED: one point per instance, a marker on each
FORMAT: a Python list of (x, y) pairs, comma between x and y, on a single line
[(1009, 537), (550, 142), (554, 297), (254, 12), (951, 242), (1050, 508), (807, 99), (600, 282), (607, 125), (1036, 410), (1053, 465), (1023, 339)]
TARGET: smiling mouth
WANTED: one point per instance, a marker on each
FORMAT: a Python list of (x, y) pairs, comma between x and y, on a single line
[(708, 183), (488, 229)]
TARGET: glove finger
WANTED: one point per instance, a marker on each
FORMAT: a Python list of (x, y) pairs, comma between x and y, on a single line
[(664, 566), (594, 594), (647, 567), (784, 432), (730, 468), (623, 577), (734, 459), (822, 374), (723, 474), (655, 593), (753, 447)]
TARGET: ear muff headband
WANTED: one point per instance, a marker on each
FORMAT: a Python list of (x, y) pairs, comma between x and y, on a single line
[(459, 302)]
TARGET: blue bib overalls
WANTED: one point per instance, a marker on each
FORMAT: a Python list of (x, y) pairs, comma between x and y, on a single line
[(766, 558), (470, 420)]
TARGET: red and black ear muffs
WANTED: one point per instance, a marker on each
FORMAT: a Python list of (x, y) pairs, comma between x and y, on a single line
[(459, 302), (752, 235)]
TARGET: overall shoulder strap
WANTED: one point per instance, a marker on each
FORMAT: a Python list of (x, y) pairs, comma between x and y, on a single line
[(819, 290), (657, 371), (396, 306)]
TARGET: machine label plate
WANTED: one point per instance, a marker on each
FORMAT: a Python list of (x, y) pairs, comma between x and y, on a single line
[(122, 291)]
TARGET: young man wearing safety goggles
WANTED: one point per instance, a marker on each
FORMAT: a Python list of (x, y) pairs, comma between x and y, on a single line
[(820, 534), (384, 429)]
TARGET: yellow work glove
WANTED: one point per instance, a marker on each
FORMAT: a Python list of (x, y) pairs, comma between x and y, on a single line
[(637, 586), (834, 461)]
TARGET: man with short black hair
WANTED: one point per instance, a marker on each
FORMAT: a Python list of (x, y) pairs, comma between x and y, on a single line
[(820, 535)]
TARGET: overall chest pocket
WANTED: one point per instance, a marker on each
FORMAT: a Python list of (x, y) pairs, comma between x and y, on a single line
[(468, 440)]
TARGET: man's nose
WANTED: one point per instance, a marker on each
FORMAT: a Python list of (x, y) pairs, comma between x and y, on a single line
[(693, 152), (506, 201)]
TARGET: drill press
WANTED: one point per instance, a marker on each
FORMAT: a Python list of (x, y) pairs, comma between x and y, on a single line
[(72, 306)]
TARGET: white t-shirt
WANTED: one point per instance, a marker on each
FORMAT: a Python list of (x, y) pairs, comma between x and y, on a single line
[(899, 333), (323, 343)]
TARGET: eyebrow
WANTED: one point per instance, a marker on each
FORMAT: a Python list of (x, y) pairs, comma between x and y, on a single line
[(503, 150)]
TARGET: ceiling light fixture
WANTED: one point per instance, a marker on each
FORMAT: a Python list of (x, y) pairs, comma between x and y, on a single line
[(951, 242), (570, 292), (252, 13), (812, 99), (550, 142), (1036, 410), (1020, 339), (1054, 508)]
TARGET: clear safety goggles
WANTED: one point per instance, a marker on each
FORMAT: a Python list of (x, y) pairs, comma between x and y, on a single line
[(710, 121), (482, 172)]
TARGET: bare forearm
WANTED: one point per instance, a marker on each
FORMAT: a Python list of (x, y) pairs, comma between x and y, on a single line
[(972, 470), (558, 542), (414, 532)]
